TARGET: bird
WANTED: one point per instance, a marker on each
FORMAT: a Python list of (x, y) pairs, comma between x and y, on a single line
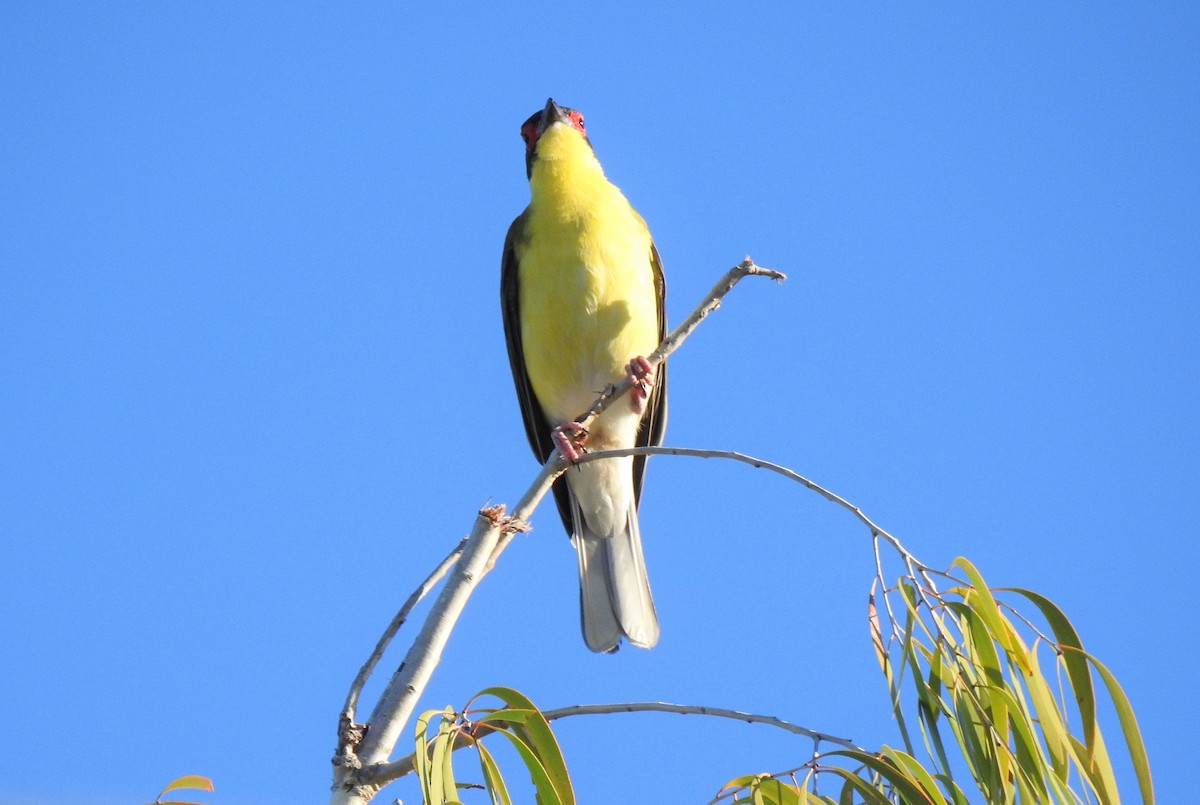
[(582, 295)]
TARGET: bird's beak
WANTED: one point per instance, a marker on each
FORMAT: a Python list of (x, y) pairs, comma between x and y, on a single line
[(553, 113)]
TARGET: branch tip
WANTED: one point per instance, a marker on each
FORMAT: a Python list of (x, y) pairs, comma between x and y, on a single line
[(493, 514)]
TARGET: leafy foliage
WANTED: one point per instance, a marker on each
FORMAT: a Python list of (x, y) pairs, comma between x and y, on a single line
[(519, 721), (965, 671)]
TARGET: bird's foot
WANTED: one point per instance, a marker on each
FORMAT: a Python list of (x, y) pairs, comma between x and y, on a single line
[(569, 438), (641, 375)]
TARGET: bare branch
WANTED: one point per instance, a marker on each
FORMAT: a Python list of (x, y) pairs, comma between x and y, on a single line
[(383, 774), (349, 732), (779, 469), (399, 698), (693, 709), (398, 621)]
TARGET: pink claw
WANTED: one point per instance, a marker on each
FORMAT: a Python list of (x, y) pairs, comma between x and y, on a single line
[(569, 438), (641, 375)]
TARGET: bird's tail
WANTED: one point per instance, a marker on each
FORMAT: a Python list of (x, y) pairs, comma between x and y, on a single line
[(614, 590)]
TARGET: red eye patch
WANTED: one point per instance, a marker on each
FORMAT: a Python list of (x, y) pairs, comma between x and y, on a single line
[(529, 134), (576, 119)]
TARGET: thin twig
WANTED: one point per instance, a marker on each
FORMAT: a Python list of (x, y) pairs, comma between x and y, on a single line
[(776, 468), (698, 710), (883, 589), (350, 733), (385, 773), (401, 616), (399, 697)]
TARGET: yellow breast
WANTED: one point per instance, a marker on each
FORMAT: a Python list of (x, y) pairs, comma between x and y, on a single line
[(588, 297)]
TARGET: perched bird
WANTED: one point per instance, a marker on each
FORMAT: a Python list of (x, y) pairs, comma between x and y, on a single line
[(582, 293)]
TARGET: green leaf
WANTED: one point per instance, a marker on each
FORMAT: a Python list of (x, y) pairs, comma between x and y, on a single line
[(743, 781), (1031, 770), (909, 790), (1054, 731), (914, 771), (973, 739), (978, 645), (194, 781), (877, 635), (1074, 661), (814, 799), (1094, 773), (775, 792), (546, 793), (492, 779), (870, 794), (932, 710), (1129, 727), (981, 600), (982, 716), (421, 753), (953, 794), (535, 732), (441, 766), (846, 797)]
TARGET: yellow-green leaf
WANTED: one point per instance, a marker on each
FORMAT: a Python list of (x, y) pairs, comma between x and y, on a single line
[(1074, 661), (441, 766), (981, 600), (870, 794), (421, 754), (876, 635), (194, 781), (909, 789), (1129, 726), (775, 792), (1097, 775), (492, 779), (1031, 768), (737, 783), (1054, 731), (536, 733), (954, 795), (914, 771)]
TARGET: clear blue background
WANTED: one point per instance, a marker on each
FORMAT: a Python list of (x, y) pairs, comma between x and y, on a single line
[(254, 382)]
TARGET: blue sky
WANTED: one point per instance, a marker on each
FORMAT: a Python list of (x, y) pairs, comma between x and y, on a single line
[(254, 381)]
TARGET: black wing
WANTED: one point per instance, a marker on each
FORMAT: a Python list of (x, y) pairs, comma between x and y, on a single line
[(654, 423)]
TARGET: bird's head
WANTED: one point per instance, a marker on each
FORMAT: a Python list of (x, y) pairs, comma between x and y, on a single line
[(549, 127)]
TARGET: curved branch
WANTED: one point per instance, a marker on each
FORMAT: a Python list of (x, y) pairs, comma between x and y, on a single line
[(349, 732), (698, 710), (399, 697), (779, 469), (398, 621), (387, 772)]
